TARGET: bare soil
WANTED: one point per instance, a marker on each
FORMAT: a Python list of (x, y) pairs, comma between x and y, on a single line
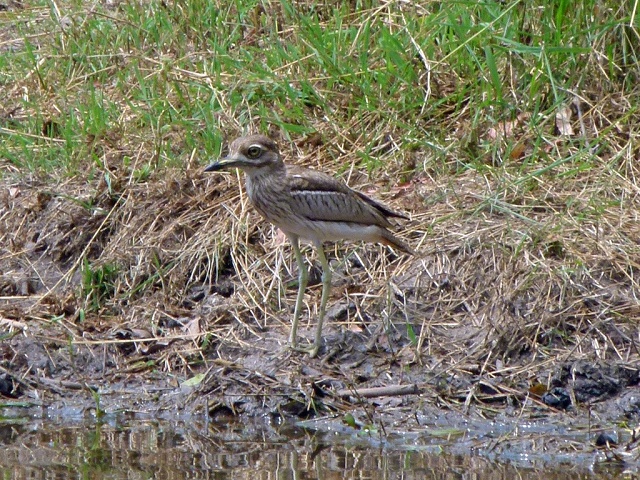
[(171, 297)]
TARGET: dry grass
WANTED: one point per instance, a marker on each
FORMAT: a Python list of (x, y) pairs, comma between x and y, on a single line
[(508, 287)]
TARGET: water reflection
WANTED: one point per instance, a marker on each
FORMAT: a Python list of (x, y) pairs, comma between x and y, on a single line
[(189, 450)]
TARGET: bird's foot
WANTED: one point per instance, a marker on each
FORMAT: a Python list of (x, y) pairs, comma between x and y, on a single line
[(312, 349)]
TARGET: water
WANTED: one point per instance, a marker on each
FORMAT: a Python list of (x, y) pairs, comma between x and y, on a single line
[(140, 449)]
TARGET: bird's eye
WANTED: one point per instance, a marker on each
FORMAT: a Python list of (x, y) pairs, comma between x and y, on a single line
[(254, 151)]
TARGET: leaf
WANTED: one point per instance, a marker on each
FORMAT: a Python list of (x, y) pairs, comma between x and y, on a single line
[(537, 388), (507, 129), (193, 381), (412, 335), (349, 420), (563, 121), (518, 150)]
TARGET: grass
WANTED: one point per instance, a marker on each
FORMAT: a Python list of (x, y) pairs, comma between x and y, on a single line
[(150, 74), (450, 109), (98, 284)]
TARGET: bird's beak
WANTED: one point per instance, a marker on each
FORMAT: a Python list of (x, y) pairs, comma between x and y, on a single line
[(221, 164)]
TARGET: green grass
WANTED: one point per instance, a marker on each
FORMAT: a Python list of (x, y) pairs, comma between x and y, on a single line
[(174, 78), (98, 284)]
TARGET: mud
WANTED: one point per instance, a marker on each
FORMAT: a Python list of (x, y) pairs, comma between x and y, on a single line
[(115, 302)]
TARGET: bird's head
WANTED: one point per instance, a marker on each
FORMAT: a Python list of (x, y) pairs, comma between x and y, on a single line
[(251, 154)]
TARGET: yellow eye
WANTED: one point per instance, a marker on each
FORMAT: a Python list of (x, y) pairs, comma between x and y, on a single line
[(254, 151)]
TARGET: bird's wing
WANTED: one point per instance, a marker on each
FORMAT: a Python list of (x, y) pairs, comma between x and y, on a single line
[(318, 196)]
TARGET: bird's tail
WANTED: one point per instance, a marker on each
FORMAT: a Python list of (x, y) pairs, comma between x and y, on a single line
[(388, 238)]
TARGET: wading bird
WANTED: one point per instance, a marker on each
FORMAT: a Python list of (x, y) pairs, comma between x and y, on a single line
[(308, 204)]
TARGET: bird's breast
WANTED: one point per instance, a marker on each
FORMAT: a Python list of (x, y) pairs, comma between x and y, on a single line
[(270, 199)]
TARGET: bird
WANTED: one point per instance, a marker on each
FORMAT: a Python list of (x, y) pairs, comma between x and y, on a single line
[(311, 205)]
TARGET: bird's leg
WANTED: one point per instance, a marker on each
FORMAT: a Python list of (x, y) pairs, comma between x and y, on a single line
[(303, 277), (326, 289)]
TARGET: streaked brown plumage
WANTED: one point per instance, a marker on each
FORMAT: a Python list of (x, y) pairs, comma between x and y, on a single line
[(309, 204)]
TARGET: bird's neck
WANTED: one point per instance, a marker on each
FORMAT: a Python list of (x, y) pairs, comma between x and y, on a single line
[(263, 178)]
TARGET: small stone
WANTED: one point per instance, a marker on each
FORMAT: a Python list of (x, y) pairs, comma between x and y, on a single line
[(557, 398)]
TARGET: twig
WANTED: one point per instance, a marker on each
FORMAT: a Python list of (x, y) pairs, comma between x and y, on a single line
[(380, 391)]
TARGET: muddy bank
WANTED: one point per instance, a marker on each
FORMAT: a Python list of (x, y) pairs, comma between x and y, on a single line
[(170, 297)]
